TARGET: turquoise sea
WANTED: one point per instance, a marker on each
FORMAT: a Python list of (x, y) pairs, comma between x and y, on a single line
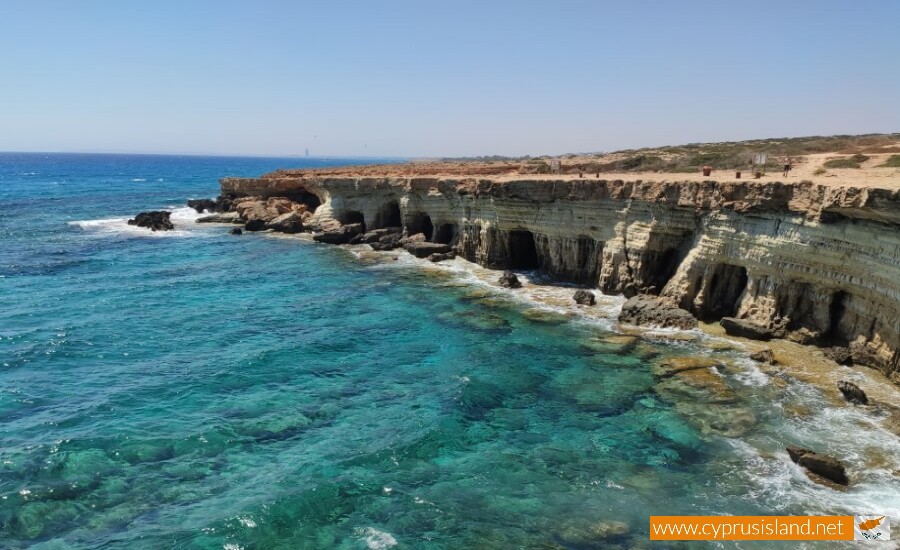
[(195, 389)]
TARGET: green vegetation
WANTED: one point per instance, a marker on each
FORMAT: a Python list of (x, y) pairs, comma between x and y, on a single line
[(893, 161), (847, 162), (819, 171)]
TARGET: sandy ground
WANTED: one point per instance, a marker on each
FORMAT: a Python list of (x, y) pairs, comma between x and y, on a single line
[(870, 175)]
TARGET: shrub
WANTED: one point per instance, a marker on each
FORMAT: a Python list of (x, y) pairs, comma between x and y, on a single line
[(819, 171), (893, 161), (847, 162)]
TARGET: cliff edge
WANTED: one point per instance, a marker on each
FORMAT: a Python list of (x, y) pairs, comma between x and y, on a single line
[(817, 263)]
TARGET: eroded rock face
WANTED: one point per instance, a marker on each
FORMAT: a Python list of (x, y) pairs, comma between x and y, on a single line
[(814, 263), (652, 311), (157, 220)]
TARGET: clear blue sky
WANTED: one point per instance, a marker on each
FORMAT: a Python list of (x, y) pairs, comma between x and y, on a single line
[(440, 79)]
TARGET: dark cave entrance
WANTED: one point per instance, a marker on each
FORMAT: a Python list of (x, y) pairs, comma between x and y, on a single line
[(659, 272), (445, 233), (522, 251), (836, 312), (311, 200), (354, 216), (726, 286), (389, 215), (420, 223)]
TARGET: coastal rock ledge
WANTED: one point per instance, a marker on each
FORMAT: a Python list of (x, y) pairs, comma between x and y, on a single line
[(818, 264)]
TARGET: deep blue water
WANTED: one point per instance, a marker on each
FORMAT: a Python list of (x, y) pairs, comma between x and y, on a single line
[(200, 390)]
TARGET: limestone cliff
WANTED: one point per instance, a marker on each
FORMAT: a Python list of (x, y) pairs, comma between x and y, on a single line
[(816, 263)]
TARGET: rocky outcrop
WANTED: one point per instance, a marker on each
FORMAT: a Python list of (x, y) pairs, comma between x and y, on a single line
[(764, 356), (745, 329), (652, 311), (289, 222), (584, 297), (442, 257), (509, 280), (817, 264), (201, 205), (236, 231), (852, 393), (826, 466), (426, 249), (337, 233), (157, 220)]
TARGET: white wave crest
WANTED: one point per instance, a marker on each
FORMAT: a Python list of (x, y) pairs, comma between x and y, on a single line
[(183, 218)]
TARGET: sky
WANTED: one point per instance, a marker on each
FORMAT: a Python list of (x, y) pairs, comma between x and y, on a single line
[(428, 78)]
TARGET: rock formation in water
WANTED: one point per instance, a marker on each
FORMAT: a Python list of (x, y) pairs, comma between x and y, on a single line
[(156, 220), (817, 264)]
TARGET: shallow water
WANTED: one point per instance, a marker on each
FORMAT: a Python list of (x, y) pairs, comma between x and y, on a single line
[(195, 389)]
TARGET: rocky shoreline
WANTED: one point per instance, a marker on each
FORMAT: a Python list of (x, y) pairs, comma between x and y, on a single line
[(326, 211), (812, 264)]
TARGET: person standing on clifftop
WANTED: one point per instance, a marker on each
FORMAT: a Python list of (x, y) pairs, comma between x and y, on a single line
[(787, 166)]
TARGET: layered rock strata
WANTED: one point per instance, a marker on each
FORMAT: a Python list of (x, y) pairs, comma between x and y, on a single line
[(813, 263)]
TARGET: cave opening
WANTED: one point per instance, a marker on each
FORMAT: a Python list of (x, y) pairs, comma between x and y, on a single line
[(420, 223), (445, 233), (354, 216), (311, 200), (726, 286), (389, 215), (836, 312), (522, 250), (659, 271)]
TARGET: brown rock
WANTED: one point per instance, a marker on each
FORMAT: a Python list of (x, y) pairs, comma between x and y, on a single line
[(425, 249), (653, 311), (763, 356), (745, 329), (825, 466)]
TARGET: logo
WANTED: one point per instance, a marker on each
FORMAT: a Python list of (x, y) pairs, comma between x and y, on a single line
[(871, 528)]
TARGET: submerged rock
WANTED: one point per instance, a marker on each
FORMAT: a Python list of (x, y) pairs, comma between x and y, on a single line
[(584, 297), (746, 329), (236, 231), (651, 310), (509, 280), (763, 356), (826, 466), (853, 393), (156, 220)]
